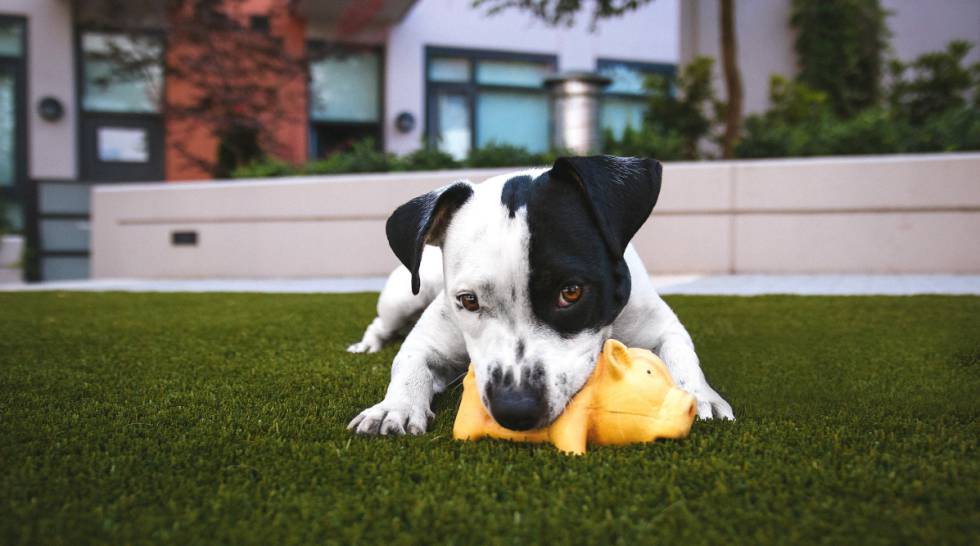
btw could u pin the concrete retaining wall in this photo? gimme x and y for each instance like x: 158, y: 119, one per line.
x: 883, y: 214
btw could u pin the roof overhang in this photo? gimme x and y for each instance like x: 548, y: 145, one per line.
x: 365, y: 14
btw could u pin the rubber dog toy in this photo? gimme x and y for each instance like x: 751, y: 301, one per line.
x: 629, y: 398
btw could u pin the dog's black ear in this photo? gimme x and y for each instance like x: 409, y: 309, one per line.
x: 423, y: 221
x: 621, y: 191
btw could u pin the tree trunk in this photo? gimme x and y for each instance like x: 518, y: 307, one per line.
x: 733, y: 80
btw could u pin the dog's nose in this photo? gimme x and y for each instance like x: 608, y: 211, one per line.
x: 517, y: 408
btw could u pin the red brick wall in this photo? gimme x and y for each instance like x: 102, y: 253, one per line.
x: 193, y: 129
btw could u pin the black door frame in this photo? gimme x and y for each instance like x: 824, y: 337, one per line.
x: 88, y: 164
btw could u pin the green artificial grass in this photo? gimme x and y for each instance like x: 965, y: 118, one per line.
x: 220, y: 419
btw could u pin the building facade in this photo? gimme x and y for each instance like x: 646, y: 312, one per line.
x: 89, y: 97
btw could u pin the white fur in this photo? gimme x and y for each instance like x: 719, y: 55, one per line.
x: 485, y: 252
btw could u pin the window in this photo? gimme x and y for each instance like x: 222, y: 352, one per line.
x: 345, y: 96
x: 624, y: 101
x: 121, y: 73
x: 477, y: 98
x: 13, y: 126
x: 11, y: 38
x: 120, y: 123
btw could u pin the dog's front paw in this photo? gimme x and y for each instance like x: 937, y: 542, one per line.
x: 387, y: 418
x: 710, y: 404
x: 364, y: 347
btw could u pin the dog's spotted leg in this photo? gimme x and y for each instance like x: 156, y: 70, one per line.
x: 428, y: 358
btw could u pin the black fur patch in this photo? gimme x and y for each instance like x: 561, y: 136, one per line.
x: 581, y: 215
x: 514, y: 194
x: 423, y: 220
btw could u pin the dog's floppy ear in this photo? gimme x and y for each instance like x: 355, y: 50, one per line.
x: 620, y: 190
x: 423, y: 221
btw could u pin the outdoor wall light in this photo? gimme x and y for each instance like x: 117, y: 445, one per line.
x: 405, y: 122
x: 50, y: 109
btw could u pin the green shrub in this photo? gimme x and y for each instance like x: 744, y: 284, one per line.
x: 928, y: 113
x: 426, y: 158
x: 938, y: 82
x: 362, y: 157
x: 502, y: 155
x: 840, y: 46
x: 267, y: 168
x: 956, y: 129
x: 646, y: 142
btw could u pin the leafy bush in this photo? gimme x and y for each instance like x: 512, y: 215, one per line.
x: 501, y: 155
x: 427, y: 158
x: 931, y: 112
x: 840, y: 46
x: 646, y: 142
x: 938, y: 82
x: 364, y: 157
x: 268, y: 168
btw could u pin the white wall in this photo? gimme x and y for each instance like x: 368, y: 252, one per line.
x: 920, y: 27
x: 765, y: 38
x: 51, y: 72
x: 878, y: 214
x: 650, y: 34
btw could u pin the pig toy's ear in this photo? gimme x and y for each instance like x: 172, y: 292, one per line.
x: 617, y: 357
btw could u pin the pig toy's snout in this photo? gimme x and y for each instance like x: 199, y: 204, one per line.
x: 677, y: 413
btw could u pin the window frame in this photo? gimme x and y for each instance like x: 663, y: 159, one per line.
x: 16, y: 195
x: 471, y: 88
x: 88, y: 165
x: 322, y: 47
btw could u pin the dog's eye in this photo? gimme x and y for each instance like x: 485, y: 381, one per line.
x: 468, y: 301
x: 570, y: 293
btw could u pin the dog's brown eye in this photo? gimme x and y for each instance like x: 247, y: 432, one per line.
x: 569, y: 294
x: 468, y: 301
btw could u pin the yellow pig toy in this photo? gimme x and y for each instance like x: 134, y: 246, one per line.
x: 630, y: 398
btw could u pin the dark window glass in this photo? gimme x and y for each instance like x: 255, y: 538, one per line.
x: 345, y: 97
x: 479, y: 98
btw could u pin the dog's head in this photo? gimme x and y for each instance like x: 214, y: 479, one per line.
x: 534, y: 272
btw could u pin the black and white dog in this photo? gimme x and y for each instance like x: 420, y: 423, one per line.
x: 526, y: 275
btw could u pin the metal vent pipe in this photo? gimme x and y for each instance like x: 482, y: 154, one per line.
x: 575, y: 101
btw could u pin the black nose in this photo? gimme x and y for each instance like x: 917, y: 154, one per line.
x: 517, y: 408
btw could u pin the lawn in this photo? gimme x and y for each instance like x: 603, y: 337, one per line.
x: 219, y: 418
